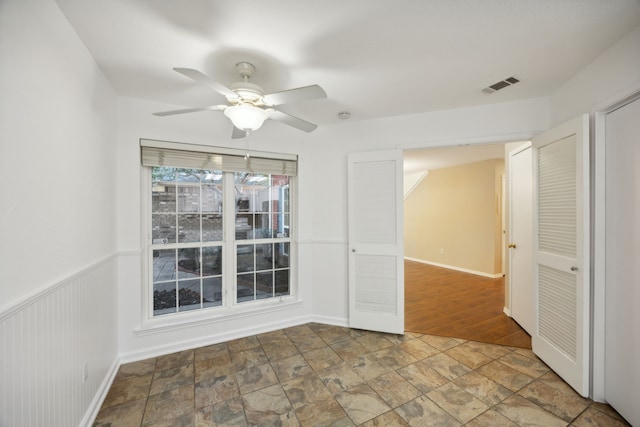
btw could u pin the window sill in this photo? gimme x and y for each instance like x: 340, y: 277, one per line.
x: 219, y: 314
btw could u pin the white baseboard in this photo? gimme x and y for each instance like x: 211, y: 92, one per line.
x: 92, y: 412
x: 507, y: 311
x: 453, y: 267
x: 147, y: 353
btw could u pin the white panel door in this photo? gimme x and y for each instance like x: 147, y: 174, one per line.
x: 376, y: 253
x: 522, y: 305
x: 561, y: 255
x: 622, y: 253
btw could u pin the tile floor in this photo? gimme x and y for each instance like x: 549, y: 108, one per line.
x: 320, y: 375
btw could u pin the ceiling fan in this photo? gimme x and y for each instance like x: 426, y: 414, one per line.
x: 249, y: 106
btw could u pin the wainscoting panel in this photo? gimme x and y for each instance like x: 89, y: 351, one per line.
x: 57, y: 348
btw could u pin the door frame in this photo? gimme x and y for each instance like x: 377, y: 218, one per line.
x: 519, y: 138
x: 598, y: 209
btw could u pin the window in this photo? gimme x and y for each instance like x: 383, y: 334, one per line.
x: 219, y: 237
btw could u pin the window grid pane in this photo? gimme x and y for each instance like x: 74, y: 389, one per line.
x: 187, y: 215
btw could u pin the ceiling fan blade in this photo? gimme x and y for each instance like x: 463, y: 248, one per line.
x: 237, y: 133
x: 190, y: 110
x: 295, y: 95
x: 296, y: 122
x: 207, y: 81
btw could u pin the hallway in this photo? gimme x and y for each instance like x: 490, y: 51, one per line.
x: 440, y: 301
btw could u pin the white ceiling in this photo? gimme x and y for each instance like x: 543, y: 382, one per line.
x: 429, y: 159
x: 374, y: 58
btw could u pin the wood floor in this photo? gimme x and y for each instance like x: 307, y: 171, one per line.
x: 439, y: 301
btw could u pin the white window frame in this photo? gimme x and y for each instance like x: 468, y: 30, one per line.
x: 230, y: 308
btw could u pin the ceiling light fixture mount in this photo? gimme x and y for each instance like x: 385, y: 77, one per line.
x: 344, y: 115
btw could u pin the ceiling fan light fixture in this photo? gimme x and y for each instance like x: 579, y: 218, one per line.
x: 246, y: 117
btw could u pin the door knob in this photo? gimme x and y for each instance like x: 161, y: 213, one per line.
x: 574, y: 268
x: 512, y: 245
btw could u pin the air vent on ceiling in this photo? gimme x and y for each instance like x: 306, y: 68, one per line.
x: 500, y: 85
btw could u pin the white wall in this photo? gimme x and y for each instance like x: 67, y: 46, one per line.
x: 613, y: 74
x: 137, y: 341
x: 57, y: 199
x: 327, y: 190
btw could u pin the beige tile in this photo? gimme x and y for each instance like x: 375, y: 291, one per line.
x: 491, y: 418
x: 126, y: 390
x: 457, y: 402
x: 446, y: 366
x: 505, y: 376
x: 229, y: 413
x: 183, y: 420
x: 394, y: 357
x: 441, y: 343
x: 493, y: 351
x: 394, y: 389
x: 388, y: 419
x: 553, y: 380
x: 522, y: 412
x: 606, y: 409
x: 322, y: 358
x: 136, y: 369
x: 531, y: 367
x: 169, y: 379
x: 398, y: 339
x: 334, y: 334
x: 423, y: 412
x: 304, y: 338
x: 468, y: 356
x: 281, y: 350
x: 339, y: 377
x: 307, y: 342
x: 306, y: 389
x: 323, y: 413
x: 549, y: 398
x: 247, y: 358
x: 215, y: 390
x: 349, y: 349
x: 419, y: 349
x: 298, y: 331
x: 174, y: 360
x: 255, y: 377
x: 485, y: 389
x: 361, y: 403
x: 128, y: 414
x: 214, y: 367
x: 291, y: 367
x: 211, y: 351
x: 594, y: 418
x: 265, y: 404
x: 422, y: 377
x: 242, y: 344
x: 367, y: 367
x: 169, y: 405
x: 271, y: 337
x: 279, y: 420
x: 374, y: 342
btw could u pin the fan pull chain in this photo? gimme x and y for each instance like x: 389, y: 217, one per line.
x: 246, y: 147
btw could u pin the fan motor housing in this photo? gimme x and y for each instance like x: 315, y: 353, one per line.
x: 247, y: 91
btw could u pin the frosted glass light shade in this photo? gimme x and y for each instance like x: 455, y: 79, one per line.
x: 246, y: 117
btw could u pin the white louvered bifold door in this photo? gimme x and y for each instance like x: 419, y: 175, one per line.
x: 376, y: 253
x: 561, y: 255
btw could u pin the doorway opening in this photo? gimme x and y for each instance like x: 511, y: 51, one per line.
x: 455, y: 247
